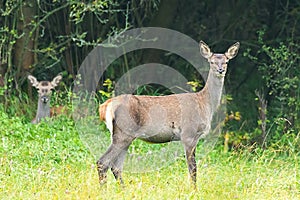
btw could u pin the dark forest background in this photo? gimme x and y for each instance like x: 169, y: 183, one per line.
x: 45, y: 38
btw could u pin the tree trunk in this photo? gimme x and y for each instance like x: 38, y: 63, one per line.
x: 24, y: 54
x: 2, y: 74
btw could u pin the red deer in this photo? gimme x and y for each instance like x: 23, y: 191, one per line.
x: 44, y: 90
x: 182, y: 117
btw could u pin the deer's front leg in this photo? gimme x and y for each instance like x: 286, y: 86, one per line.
x: 191, y: 162
x: 190, y: 143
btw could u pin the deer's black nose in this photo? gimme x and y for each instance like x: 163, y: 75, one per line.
x: 44, y: 99
x: 220, y: 70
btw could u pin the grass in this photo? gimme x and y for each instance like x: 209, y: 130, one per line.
x: 49, y: 161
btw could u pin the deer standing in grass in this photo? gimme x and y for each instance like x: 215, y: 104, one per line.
x: 44, y: 90
x: 158, y: 119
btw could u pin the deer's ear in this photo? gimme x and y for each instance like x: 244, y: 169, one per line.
x: 233, y: 50
x: 56, y: 80
x: 33, y: 81
x: 205, y: 50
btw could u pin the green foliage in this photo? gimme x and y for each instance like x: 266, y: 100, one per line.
x: 282, y: 76
x: 152, y: 90
x: 107, y: 91
x: 278, y: 67
x: 55, y: 141
x: 64, y: 32
x: 195, y: 85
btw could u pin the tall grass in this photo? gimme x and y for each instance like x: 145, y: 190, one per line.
x: 49, y: 161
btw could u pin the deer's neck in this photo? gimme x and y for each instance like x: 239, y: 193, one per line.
x: 212, y: 90
x: 43, y: 110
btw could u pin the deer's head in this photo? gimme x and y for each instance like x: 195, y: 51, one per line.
x: 44, y: 87
x: 218, y: 62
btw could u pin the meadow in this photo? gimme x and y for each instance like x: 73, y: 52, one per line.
x: 49, y: 161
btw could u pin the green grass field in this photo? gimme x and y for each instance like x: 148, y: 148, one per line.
x: 49, y: 161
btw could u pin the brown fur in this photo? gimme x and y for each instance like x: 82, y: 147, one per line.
x: 58, y: 110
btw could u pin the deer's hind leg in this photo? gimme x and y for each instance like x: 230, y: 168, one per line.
x: 114, y: 157
x: 103, y: 164
x: 117, y: 166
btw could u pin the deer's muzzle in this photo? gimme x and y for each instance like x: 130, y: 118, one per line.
x: 44, y: 99
x: 220, y: 70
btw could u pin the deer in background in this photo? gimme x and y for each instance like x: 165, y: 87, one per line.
x: 44, y: 90
x: 182, y: 117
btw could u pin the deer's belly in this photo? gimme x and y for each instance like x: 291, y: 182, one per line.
x: 161, y: 137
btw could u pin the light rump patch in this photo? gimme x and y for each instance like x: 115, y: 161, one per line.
x: 103, y: 110
x: 109, y: 117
